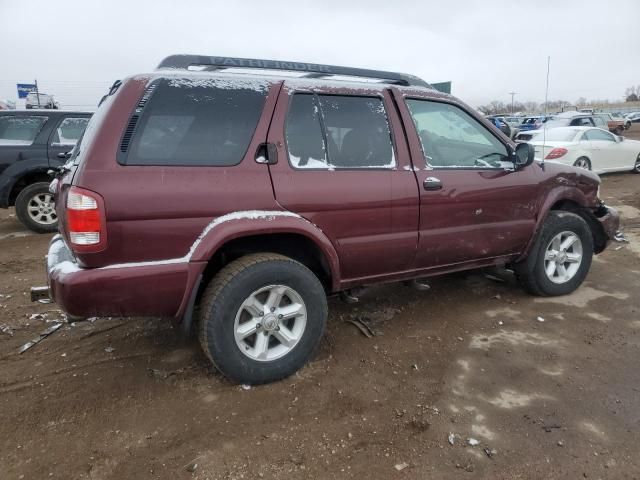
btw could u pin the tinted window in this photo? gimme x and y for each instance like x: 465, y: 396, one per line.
x: 18, y: 130
x: 69, y: 131
x: 452, y: 138
x: 304, y: 134
x: 599, y: 135
x: 333, y: 131
x: 357, y: 132
x: 197, y: 122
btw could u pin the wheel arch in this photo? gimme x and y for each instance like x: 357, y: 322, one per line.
x: 570, y: 199
x: 289, y: 235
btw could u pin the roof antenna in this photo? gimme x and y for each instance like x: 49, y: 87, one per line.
x: 546, y: 100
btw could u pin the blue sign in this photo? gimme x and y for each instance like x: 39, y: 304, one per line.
x: 25, y: 88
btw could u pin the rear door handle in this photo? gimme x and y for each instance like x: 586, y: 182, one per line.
x: 432, y: 183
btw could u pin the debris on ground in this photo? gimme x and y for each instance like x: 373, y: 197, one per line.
x: 192, y: 467
x: 548, y: 428
x: 619, y: 237
x: 473, y: 442
x: 495, y: 278
x: 362, y: 326
x: 245, y: 386
x: 6, y: 329
x: 109, y: 349
x: 560, y: 443
x: 44, y: 334
x: 452, y: 439
x: 401, y: 466
x: 490, y: 452
x: 540, y: 319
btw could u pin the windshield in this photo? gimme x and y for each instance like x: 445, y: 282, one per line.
x: 557, y: 135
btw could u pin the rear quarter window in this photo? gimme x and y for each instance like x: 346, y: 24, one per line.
x: 203, y: 122
x: 20, y: 130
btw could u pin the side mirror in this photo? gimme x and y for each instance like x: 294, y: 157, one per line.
x: 64, y: 155
x: 523, y: 155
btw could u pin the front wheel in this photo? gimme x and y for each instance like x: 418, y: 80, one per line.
x: 636, y: 167
x: 35, y: 208
x: 583, y: 162
x: 262, y: 317
x: 560, y: 257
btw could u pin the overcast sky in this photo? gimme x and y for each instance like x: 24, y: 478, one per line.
x: 486, y: 48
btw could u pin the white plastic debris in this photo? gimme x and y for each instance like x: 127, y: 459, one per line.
x: 401, y: 466
x: 452, y: 439
x: 540, y: 319
x: 473, y: 442
x: 109, y: 349
x: 245, y: 386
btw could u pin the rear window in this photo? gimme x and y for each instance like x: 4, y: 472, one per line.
x: 19, y: 130
x: 197, y: 122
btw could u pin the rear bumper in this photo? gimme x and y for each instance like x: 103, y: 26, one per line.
x: 153, y: 289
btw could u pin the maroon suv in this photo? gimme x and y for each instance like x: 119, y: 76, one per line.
x: 249, y: 198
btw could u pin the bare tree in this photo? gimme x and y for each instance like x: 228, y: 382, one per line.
x: 632, y: 94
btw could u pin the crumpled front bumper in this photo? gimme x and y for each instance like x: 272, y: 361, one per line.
x: 609, y: 220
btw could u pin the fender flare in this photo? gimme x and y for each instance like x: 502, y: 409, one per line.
x: 557, y: 194
x: 250, y: 223
x: 14, y: 172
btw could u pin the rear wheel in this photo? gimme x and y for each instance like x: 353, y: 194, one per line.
x: 583, y: 162
x: 619, y: 129
x: 560, y: 257
x: 262, y: 317
x: 35, y: 208
x: 636, y: 167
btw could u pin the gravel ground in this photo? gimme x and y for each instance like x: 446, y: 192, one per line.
x: 549, y: 388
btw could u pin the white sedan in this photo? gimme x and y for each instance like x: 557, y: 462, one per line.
x: 587, y: 147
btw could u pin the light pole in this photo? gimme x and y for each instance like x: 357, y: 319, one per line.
x: 513, y: 94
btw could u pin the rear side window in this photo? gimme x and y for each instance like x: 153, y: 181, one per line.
x: 338, y: 131
x: 69, y: 131
x: 19, y: 130
x: 196, y: 123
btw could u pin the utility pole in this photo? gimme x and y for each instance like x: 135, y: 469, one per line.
x: 37, y: 92
x: 513, y: 94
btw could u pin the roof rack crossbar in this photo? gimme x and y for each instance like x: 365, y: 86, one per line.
x: 314, y: 70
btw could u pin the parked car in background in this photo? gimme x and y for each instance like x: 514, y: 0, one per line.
x: 634, y: 117
x: 614, y: 124
x: 250, y: 198
x: 622, y: 117
x: 31, y: 143
x: 589, y: 148
x: 532, y: 123
x: 566, y: 119
x: 505, y: 126
x: 41, y: 100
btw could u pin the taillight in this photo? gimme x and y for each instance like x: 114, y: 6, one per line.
x: 556, y: 153
x: 84, y: 218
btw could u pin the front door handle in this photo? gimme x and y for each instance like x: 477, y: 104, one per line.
x: 432, y: 183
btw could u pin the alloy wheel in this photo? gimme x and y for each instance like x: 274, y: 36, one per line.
x: 270, y: 323
x: 41, y: 209
x: 563, y: 257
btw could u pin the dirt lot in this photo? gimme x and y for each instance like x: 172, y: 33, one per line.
x: 471, y: 358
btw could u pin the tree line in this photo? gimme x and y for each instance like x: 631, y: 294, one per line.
x: 631, y: 94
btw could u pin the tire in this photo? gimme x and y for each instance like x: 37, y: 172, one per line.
x: 636, y: 167
x: 619, y: 129
x: 532, y: 271
x: 583, y: 162
x: 35, y: 209
x: 223, y: 313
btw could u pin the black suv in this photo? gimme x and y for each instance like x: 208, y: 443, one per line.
x: 31, y: 143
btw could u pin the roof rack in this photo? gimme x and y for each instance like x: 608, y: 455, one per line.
x: 313, y: 70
